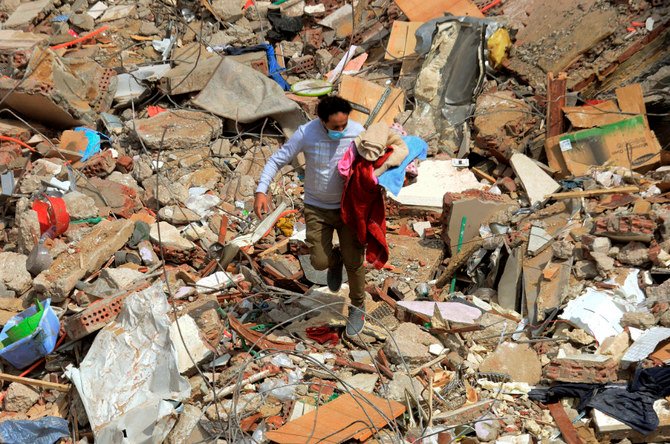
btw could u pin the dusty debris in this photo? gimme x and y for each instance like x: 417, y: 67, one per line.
x: 20, y: 398
x: 527, y: 227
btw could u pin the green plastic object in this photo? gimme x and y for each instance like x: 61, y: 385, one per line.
x: 460, y: 245
x: 25, y: 328
x: 90, y: 220
x: 312, y: 88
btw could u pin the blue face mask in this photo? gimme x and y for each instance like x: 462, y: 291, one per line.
x: 335, y: 135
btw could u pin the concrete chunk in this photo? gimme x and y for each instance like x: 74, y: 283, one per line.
x: 409, y: 344
x: 27, y: 13
x: 80, y: 206
x: 535, y: 181
x: 539, y: 239
x: 192, y: 344
x: 20, y: 397
x: 170, y: 237
x: 228, y: 10
x: 478, y: 207
x: 178, y: 130
x: 92, y: 251
x: 13, y: 272
x: 517, y: 360
x: 177, y: 215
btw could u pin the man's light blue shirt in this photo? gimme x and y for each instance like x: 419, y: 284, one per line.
x: 323, y: 183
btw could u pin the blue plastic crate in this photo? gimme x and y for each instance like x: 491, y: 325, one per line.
x: 42, y: 342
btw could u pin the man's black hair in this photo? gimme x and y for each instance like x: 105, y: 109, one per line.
x: 330, y: 105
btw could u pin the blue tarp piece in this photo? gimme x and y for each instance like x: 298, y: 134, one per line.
x: 94, y: 142
x: 46, y: 430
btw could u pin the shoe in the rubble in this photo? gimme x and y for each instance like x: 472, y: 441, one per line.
x: 334, y: 276
x: 355, y: 322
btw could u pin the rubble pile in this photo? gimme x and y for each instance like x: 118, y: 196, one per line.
x: 526, y: 294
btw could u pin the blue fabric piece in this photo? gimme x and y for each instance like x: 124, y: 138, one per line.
x: 46, y: 430
x: 274, y: 69
x: 94, y: 142
x: 393, y: 178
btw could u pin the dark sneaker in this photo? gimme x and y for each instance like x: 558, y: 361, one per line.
x: 355, y: 322
x: 334, y: 276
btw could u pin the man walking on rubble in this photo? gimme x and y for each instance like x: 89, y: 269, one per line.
x: 324, y: 141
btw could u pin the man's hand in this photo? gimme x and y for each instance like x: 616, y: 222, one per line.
x: 261, y: 206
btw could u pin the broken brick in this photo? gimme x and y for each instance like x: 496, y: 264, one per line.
x: 583, y: 368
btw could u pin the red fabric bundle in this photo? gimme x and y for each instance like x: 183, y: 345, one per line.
x: 322, y: 335
x: 364, y: 209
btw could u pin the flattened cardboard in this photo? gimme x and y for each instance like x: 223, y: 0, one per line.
x: 627, y: 143
x: 616, y: 136
x: 367, y: 94
x: 424, y: 10
x: 353, y: 415
x: 596, y: 115
x: 402, y: 40
x: 631, y: 100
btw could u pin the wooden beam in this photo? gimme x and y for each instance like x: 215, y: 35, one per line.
x: 556, y: 92
x: 274, y: 248
x: 564, y: 425
x: 590, y: 193
x: 482, y: 175
x: 36, y: 382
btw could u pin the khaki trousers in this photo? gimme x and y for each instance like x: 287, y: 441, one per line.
x: 320, y: 226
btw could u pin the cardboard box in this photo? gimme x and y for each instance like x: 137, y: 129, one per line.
x: 628, y: 143
x: 614, y: 135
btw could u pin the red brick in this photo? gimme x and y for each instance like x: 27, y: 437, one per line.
x: 313, y: 37
x: 274, y: 422
x: 124, y: 164
x: 581, y: 370
x: 308, y: 104
x: 508, y: 184
x: 654, y: 251
x: 324, y: 388
x: 616, y: 225
x: 100, y: 165
x: 368, y: 35
x: 9, y: 152
x: 302, y: 64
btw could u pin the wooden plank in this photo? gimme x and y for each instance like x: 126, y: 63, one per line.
x: 589, y: 193
x: 274, y: 248
x: 255, y: 339
x: 402, y: 40
x: 367, y: 94
x: 556, y: 91
x: 424, y: 10
x: 482, y: 175
x: 458, y: 261
x: 355, y: 415
x: 564, y: 425
x: 35, y: 382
